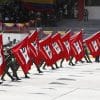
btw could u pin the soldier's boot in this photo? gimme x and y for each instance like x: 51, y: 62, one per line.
x: 1, y: 82
x: 3, y: 79
x: 26, y: 76
x: 38, y: 69
x: 73, y: 64
x: 61, y: 63
x: 81, y: 61
x: 44, y: 66
x: 12, y: 78
x: 16, y: 76
x: 56, y: 65
x: 52, y: 68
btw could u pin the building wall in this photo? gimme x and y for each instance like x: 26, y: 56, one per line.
x: 94, y: 12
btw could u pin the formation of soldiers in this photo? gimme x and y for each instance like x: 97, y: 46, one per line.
x: 12, y: 64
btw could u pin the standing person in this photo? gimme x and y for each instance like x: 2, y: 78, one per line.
x: 85, y: 15
x: 8, y: 63
x: 87, y: 58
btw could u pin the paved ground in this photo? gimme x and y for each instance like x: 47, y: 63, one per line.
x: 80, y: 82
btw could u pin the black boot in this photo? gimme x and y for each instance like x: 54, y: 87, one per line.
x: 17, y: 78
x: 1, y: 82
x: 56, y: 65
x: 3, y: 79
x: 26, y: 76
x: 52, y: 68
x: 40, y: 71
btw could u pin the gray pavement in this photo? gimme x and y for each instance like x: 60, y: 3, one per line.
x: 80, y: 82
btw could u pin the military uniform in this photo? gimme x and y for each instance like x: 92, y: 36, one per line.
x: 87, y: 58
x: 10, y: 63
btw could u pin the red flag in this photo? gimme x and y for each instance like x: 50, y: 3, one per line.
x: 33, y: 44
x: 93, y: 43
x: 66, y: 45
x: 2, y: 61
x: 46, y: 50
x: 57, y: 46
x: 77, y: 46
x: 20, y: 52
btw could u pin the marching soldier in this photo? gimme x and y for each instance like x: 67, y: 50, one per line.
x: 10, y: 63
x: 87, y: 58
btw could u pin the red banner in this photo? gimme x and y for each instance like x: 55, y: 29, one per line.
x: 66, y: 45
x: 46, y: 50
x: 77, y: 46
x: 33, y: 44
x: 57, y: 47
x: 20, y: 52
x: 93, y: 43
x: 2, y: 61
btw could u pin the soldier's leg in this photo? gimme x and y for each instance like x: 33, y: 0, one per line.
x: 44, y: 66
x: 56, y: 65
x: 14, y: 70
x: 5, y: 72
x: 81, y: 61
x: 61, y: 62
x: 52, y: 67
x: 38, y: 68
x: 1, y: 82
x: 88, y: 58
x: 26, y: 76
x: 70, y: 61
x: 16, y: 67
x: 10, y: 76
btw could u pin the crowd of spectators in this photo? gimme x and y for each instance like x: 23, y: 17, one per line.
x: 15, y: 12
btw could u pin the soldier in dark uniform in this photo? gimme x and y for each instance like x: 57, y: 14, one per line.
x: 85, y: 15
x: 87, y: 58
x: 10, y: 63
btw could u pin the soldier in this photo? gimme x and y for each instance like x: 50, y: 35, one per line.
x: 87, y: 58
x: 10, y: 62
x: 85, y: 15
